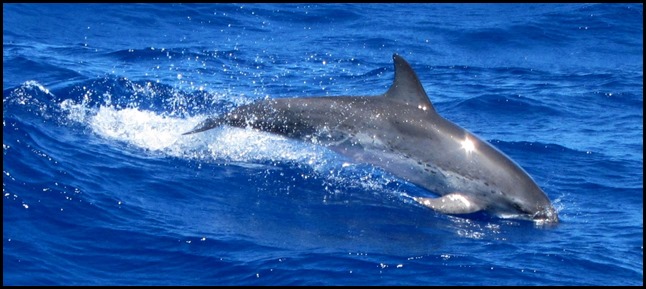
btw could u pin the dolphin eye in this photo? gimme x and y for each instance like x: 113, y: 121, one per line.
x: 517, y: 206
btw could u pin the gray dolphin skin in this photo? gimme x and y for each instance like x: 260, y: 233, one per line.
x: 401, y: 133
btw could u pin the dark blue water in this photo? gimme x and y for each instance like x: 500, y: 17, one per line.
x: 100, y: 187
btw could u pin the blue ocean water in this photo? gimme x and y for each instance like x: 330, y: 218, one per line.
x: 101, y: 188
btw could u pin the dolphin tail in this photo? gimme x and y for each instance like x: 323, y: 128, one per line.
x: 207, y: 124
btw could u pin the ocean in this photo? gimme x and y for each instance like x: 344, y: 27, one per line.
x: 101, y: 188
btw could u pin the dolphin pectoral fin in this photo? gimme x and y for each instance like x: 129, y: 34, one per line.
x: 454, y: 203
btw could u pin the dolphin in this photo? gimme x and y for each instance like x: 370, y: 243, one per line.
x: 401, y: 132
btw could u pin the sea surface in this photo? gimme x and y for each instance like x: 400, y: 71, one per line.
x: 100, y: 187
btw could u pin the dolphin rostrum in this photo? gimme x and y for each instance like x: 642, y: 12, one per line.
x: 400, y: 132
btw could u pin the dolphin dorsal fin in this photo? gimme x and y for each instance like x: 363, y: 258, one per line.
x: 406, y: 87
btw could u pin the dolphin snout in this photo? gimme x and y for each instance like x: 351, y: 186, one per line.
x: 547, y: 215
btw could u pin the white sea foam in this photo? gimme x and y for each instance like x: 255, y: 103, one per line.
x: 159, y: 133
